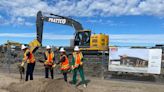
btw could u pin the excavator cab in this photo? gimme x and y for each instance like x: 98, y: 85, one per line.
x: 82, y: 38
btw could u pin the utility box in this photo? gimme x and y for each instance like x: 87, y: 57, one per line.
x: 100, y: 41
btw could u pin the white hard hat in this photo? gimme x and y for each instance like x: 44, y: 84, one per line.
x: 23, y: 47
x: 48, y: 47
x: 62, y: 50
x: 76, y: 48
x: 57, y: 48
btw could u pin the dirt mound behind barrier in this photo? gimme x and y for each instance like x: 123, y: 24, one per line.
x: 43, y: 85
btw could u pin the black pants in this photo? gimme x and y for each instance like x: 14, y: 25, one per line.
x: 65, y: 77
x: 47, y: 69
x: 29, y: 71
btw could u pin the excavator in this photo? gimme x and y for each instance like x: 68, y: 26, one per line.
x: 82, y: 38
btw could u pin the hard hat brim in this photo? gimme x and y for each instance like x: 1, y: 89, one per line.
x: 48, y: 48
x: 62, y: 51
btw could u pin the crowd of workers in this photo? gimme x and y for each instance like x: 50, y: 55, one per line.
x: 49, y: 63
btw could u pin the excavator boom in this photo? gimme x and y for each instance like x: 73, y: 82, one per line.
x: 82, y: 38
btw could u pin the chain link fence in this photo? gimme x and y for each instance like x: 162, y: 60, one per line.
x: 94, y: 65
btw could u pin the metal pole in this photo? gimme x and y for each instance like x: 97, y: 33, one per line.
x: 102, y: 65
x: 9, y: 60
x: 8, y: 57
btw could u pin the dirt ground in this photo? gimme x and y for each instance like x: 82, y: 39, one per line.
x: 11, y: 83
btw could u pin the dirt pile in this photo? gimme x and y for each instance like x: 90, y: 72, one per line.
x: 43, y: 85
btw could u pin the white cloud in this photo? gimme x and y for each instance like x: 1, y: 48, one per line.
x: 23, y: 35
x: 15, y: 21
x: 33, y: 35
x: 29, y: 8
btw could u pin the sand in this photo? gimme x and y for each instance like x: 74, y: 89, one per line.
x: 43, y: 85
x: 10, y: 83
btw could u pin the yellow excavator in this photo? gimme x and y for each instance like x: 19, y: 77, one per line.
x: 12, y: 43
x: 82, y: 38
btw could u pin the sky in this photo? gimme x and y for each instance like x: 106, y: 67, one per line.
x: 127, y: 22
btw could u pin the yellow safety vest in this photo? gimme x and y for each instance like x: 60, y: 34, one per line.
x: 50, y: 57
x: 77, y: 57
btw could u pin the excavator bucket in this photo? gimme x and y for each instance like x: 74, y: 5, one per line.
x: 34, y: 43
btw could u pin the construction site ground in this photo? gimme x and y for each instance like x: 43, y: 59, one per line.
x: 12, y: 83
x: 94, y: 67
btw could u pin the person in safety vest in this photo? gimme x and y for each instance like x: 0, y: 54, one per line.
x: 64, y: 63
x: 49, y: 62
x: 77, y: 65
x: 30, y: 60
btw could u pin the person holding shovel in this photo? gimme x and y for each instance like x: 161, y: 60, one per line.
x: 77, y: 65
x: 64, y: 63
x: 30, y: 60
x: 49, y: 62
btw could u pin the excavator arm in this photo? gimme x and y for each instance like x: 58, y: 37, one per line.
x: 82, y: 38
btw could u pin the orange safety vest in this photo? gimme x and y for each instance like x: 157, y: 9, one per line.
x: 31, y: 58
x: 77, y: 57
x: 65, y: 64
x: 50, y: 57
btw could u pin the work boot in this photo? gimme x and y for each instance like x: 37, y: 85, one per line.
x: 85, y: 86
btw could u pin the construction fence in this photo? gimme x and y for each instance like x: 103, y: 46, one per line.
x: 94, y: 65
